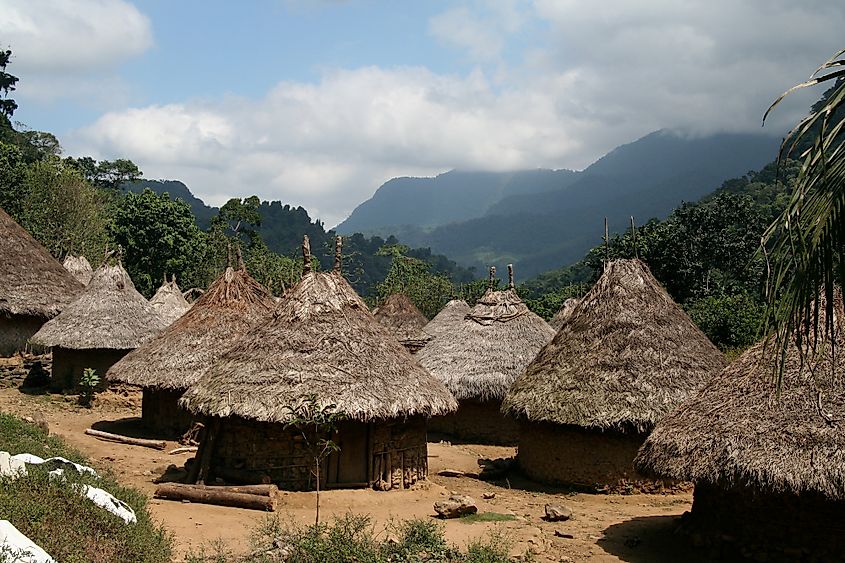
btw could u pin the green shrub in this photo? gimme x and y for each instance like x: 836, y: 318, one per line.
x: 88, y: 386
x: 731, y: 322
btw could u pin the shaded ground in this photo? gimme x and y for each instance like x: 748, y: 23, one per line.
x: 635, y: 528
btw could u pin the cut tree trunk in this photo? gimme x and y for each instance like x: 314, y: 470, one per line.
x: 208, y: 495
x: 263, y: 490
x: 109, y: 437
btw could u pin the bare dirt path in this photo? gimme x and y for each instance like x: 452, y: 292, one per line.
x: 635, y: 528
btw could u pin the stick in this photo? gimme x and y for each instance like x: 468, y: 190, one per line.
x: 109, y: 437
x: 173, y: 491
x: 183, y: 450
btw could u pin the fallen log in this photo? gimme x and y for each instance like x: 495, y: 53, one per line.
x: 109, y: 437
x: 262, y: 490
x: 207, y: 495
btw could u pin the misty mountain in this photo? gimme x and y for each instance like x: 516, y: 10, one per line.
x: 539, y: 228
x: 177, y: 190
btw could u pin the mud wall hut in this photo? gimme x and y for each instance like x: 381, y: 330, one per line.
x: 624, y: 358
x: 169, y: 302
x: 177, y: 357
x: 34, y: 287
x: 100, y: 327
x: 321, y: 349
x: 478, y: 358
x: 768, y: 464
x: 401, y: 317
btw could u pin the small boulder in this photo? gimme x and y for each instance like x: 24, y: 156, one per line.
x: 488, y: 496
x: 557, y: 513
x: 455, y: 506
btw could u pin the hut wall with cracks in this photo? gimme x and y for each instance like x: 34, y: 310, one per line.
x: 160, y: 411
x: 15, y: 331
x: 477, y: 421
x: 385, y: 454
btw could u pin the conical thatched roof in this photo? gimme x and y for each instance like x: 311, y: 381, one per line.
x: 110, y: 314
x: 737, y: 430
x: 79, y: 268
x: 480, y: 356
x: 401, y: 317
x: 177, y: 357
x: 447, y: 321
x: 624, y: 359
x: 168, y: 301
x: 322, y: 340
x: 563, y: 314
x: 32, y: 282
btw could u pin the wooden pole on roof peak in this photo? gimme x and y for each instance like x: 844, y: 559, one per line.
x: 510, y: 276
x: 338, y: 253
x: 306, y: 255
x: 241, y: 265
x: 492, y: 275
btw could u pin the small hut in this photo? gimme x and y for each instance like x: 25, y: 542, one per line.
x: 447, y: 321
x: 175, y: 359
x: 479, y: 357
x: 625, y: 357
x: 768, y: 463
x: 79, y: 268
x: 169, y: 302
x: 400, y: 316
x: 109, y: 319
x: 33, y: 286
x: 321, y: 345
x: 564, y: 313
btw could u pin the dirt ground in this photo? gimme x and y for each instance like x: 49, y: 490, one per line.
x: 636, y: 528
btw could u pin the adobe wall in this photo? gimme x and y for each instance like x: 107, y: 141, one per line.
x: 160, y: 411
x: 394, y: 454
x: 21, y: 370
x: 588, y: 460
x: 68, y: 366
x: 476, y: 422
x: 15, y: 331
x: 737, y: 520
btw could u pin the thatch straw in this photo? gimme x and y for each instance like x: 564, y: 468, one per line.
x: 400, y: 316
x: 79, y: 268
x: 169, y: 302
x: 564, y: 313
x: 32, y: 282
x: 738, y: 431
x: 448, y: 320
x: 177, y: 357
x: 624, y: 359
x: 321, y: 341
x: 481, y: 355
x: 110, y: 314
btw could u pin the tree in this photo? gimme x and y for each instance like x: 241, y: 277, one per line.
x: 7, y: 85
x: 808, y: 238
x: 159, y: 236
x: 413, y: 277
x: 106, y: 174
x: 12, y: 175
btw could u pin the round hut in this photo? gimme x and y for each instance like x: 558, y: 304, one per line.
x: 100, y: 327
x: 169, y: 302
x: 765, y: 461
x: 176, y: 358
x: 447, y: 321
x: 79, y: 268
x: 625, y: 357
x: 33, y: 286
x: 400, y: 316
x: 563, y: 314
x: 321, y: 349
x: 479, y: 357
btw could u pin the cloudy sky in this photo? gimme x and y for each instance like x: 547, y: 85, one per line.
x: 316, y: 103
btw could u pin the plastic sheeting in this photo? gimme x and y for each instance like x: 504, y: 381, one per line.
x: 16, y: 547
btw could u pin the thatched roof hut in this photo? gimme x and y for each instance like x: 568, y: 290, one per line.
x: 176, y: 358
x: 625, y: 357
x: 479, y: 357
x: 33, y: 286
x: 109, y: 319
x: 743, y: 441
x: 169, y: 302
x: 563, y: 313
x: 79, y: 268
x: 447, y: 321
x: 401, y: 317
x: 321, y: 342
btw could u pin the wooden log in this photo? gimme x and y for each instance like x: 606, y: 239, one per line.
x: 183, y: 450
x: 109, y: 437
x: 262, y: 490
x: 207, y: 495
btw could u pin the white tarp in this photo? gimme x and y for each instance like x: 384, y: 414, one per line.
x: 35, y: 460
x: 109, y: 502
x: 16, y: 547
x: 11, y: 467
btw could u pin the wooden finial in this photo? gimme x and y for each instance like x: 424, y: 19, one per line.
x: 165, y: 279
x: 241, y: 265
x: 510, y: 276
x: 173, y: 278
x: 492, y: 275
x: 338, y: 248
x: 306, y: 255
x: 606, y: 244
x: 634, y: 237
x: 228, y: 254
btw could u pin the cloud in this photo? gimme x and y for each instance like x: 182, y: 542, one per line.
x: 62, y: 48
x: 591, y: 77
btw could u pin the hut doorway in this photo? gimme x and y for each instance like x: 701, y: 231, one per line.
x: 350, y: 466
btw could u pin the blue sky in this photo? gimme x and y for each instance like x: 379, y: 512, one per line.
x: 316, y: 103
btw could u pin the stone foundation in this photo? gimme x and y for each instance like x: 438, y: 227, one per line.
x: 382, y: 454
x: 477, y: 422
x: 15, y: 331
x: 22, y: 370
x: 68, y: 366
x: 587, y: 460
x: 160, y: 412
x: 766, y: 526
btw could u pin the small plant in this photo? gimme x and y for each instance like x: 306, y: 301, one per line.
x: 88, y: 386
